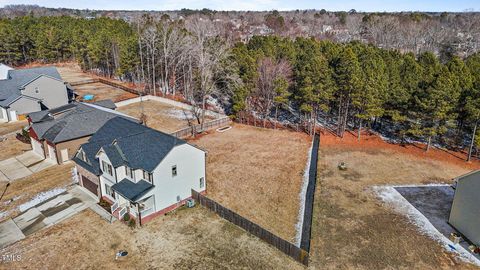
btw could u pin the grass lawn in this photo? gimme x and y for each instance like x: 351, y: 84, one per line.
x: 258, y: 173
x: 7, y: 128
x: 188, y: 239
x: 160, y: 116
x: 353, y: 228
x: 12, y: 147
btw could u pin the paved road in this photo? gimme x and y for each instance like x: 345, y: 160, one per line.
x: 46, y: 214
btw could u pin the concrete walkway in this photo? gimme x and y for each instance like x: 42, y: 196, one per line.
x: 45, y: 214
x: 22, y: 166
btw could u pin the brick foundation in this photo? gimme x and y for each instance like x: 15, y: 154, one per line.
x: 172, y: 207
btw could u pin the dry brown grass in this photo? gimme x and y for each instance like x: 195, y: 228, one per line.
x: 7, y: 128
x: 73, y: 73
x: 12, y: 147
x: 158, y: 116
x: 258, y: 173
x: 353, y: 229
x: 24, y: 189
x: 102, y: 91
x: 189, y: 239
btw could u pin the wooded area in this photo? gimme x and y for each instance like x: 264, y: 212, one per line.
x: 351, y: 86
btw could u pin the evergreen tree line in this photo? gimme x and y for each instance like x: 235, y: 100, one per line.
x: 358, y: 86
x: 350, y: 86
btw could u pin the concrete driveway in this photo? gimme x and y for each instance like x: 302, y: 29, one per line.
x: 45, y: 214
x: 23, y: 165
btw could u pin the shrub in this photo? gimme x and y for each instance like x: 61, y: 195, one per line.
x: 132, y: 223
x: 126, y: 217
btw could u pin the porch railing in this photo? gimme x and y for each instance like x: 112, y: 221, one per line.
x: 113, y: 207
x: 122, y: 212
x: 146, y: 212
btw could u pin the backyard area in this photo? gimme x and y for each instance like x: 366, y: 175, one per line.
x: 258, y: 173
x: 187, y: 239
x: 73, y: 73
x: 353, y: 228
x: 11, y: 147
x: 159, y: 115
x: 12, y: 127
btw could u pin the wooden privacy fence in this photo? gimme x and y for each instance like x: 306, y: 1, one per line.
x: 284, y: 246
x: 193, y: 130
x: 107, y: 82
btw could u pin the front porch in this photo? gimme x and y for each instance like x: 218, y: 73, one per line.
x: 132, y: 199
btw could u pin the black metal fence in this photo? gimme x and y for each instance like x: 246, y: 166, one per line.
x: 284, y: 246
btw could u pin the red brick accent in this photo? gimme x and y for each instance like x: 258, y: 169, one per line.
x: 107, y: 199
x: 172, y: 207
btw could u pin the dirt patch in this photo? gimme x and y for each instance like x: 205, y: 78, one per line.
x: 258, y: 173
x: 353, y: 229
x: 160, y: 116
x: 189, y: 239
x: 23, y: 190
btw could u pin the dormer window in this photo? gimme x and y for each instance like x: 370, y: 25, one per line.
x: 130, y: 172
x: 107, y: 168
x: 148, y: 176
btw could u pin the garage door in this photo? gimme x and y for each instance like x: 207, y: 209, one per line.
x: 51, y: 153
x: 91, y: 186
x: 37, y: 147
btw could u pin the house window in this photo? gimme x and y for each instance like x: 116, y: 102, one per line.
x: 107, y: 168
x: 202, y: 182
x: 178, y: 199
x: 148, y: 176
x: 36, y: 90
x: 130, y: 172
x: 174, y: 170
x: 108, y: 190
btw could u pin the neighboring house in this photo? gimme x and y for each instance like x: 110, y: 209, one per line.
x: 139, y: 170
x: 24, y: 91
x: 58, y: 133
x: 465, y: 212
x: 4, y: 71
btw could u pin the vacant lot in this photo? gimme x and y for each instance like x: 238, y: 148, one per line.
x: 13, y: 127
x: 258, y: 173
x: 23, y: 190
x: 12, y: 147
x: 353, y: 228
x: 188, y: 239
x: 160, y: 116
x: 73, y: 73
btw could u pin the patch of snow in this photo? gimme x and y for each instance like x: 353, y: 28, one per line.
x: 392, y: 197
x: 40, y: 197
x: 302, y: 195
x: 179, y: 114
x: 4, y: 214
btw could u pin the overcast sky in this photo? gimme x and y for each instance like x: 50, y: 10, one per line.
x: 366, y: 5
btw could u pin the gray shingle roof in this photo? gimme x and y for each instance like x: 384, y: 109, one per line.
x: 75, y: 121
x: 10, y: 88
x: 132, y: 191
x: 131, y: 144
x: 106, y: 103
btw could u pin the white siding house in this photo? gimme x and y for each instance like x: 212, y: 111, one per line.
x: 143, y: 172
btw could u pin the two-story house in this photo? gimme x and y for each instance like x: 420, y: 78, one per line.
x: 24, y: 91
x: 141, y: 171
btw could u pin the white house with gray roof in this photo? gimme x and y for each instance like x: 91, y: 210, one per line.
x: 24, y: 91
x: 140, y: 171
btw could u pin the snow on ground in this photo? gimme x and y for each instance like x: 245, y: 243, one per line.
x: 303, y: 193
x: 179, y: 114
x: 390, y: 196
x: 40, y: 197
